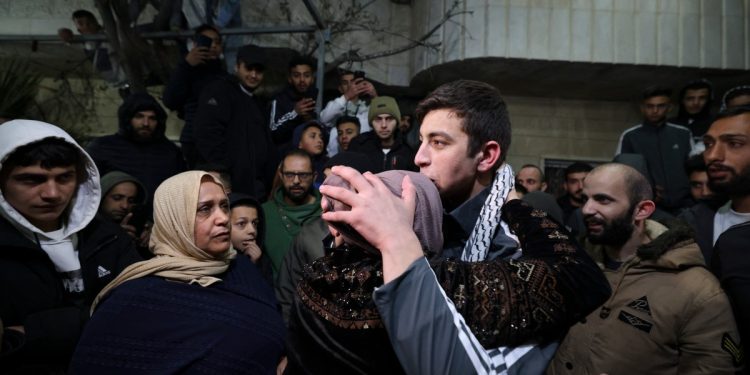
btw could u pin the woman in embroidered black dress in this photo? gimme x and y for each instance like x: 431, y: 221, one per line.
x: 334, y: 326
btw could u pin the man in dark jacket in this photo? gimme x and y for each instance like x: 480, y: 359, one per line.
x: 231, y: 126
x: 573, y: 185
x: 201, y: 66
x: 55, y: 255
x: 695, y: 108
x: 295, y: 104
x: 139, y: 148
x: 728, y: 158
x: 384, y: 144
x: 665, y: 146
x: 728, y: 163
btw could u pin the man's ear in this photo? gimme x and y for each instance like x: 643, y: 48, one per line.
x: 644, y: 210
x: 544, y: 187
x: 489, y: 154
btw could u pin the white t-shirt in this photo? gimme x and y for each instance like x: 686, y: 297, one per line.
x: 726, y: 217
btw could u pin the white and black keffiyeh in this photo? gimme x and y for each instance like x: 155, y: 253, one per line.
x: 478, y: 244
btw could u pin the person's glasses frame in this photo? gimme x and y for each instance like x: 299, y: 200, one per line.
x: 303, y: 176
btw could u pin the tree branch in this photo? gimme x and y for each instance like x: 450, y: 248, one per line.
x: 352, y: 55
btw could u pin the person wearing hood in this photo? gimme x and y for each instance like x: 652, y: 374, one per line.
x: 231, y: 126
x: 295, y: 104
x: 124, y: 200
x: 139, y: 148
x: 55, y: 254
x: 201, y: 65
x: 695, y: 108
x: 384, y: 144
x: 667, y: 312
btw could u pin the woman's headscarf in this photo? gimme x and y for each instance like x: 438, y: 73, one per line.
x: 428, y: 216
x: 172, y: 238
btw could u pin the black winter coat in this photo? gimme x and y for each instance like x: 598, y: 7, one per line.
x: 184, y: 88
x: 731, y: 265
x: 401, y: 156
x: 231, y: 129
x: 150, y: 162
x: 33, y: 296
x: 285, y: 119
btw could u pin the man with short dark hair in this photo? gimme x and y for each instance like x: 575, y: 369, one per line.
x: 201, y: 66
x: 347, y: 128
x: 55, y: 255
x: 352, y: 102
x: 384, y: 145
x: 295, y: 104
x: 531, y: 177
x: 292, y: 203
x: 667, y: 313
x: 139, y: 148
x: 728, y: 163
x: 573, y: 185
x: 665, y: 147
x: 477, y: 322
x: 695, y: 108
x: 231, y: 126
x: 728, y: 158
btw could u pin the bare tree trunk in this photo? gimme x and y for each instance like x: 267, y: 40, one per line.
x: 134, y: 54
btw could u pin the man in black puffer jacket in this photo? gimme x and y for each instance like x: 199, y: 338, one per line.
x: 139, y: 148
x: 55, y: 255
x: 231, y: 126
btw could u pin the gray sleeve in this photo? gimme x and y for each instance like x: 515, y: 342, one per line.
x: 427, y: 333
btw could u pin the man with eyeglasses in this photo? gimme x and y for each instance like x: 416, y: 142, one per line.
x: 292, y: 203
x: 665, y: 147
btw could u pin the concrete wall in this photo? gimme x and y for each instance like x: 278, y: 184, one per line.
x: 691, y: 33
x: 566, y: 129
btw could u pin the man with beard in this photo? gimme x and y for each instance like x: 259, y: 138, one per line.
x: 667, y: 312
x: 139, y: 148
x: 573, y: 185
x: 728, y: 158
x: 231, y: 126
x: 290, y: 205
x: 294, y: 105
x: 665, y: 147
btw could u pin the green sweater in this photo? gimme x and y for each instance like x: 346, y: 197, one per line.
x: 283, y: 222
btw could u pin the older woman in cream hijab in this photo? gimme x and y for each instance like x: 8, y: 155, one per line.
x: 195, y: 305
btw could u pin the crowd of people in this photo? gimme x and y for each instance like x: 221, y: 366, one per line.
x: 360, y: 239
